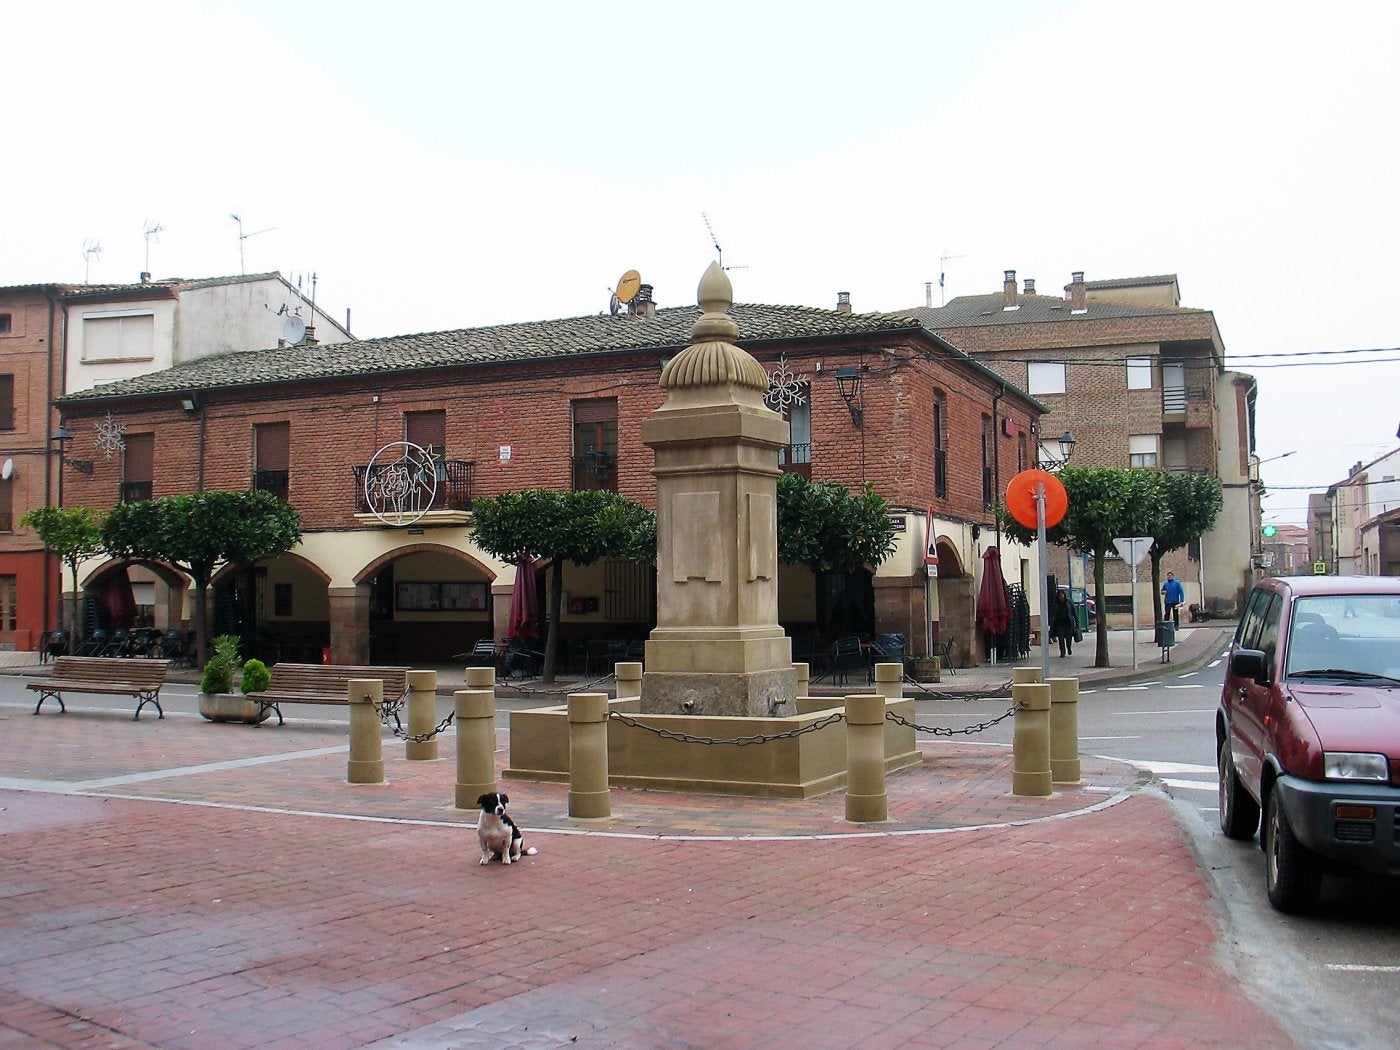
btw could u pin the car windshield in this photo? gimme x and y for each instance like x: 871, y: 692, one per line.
x: 1351, y: 636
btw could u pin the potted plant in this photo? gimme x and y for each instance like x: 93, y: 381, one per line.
x: 217, y: 700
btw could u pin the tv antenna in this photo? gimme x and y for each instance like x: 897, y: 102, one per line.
x: 242, y: 268
x: 153, y: 229
x: 92, y: 248
x: 718, y: 250
x: 943, y: 272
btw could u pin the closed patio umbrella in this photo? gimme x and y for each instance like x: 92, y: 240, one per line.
x: 524, y: 620
x: 993, y: 610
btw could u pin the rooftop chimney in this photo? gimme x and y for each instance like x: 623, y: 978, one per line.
x: 928, y: 294
x: 1008, y: 290
x: 1030, y: 286
x: 1076, y: 294
x: 843, y: 302
x: 642, y: 304
x: 145, y: 276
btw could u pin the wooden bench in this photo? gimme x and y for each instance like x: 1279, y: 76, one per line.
x: 141, y: 679
x: 324, y: 684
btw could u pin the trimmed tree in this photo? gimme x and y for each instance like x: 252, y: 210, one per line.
x: 197, y: 532
x: 1193, y: 504
x: 827, y: 528
x: 73, y: 533
x: 1104, y: 502
x: 579, y: 527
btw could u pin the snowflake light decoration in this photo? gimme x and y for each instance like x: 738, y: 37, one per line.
x: 784, y: 388
x: 109, y: 437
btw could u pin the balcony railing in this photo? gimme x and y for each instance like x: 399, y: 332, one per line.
x: 595, y: 470
x: 797, y: 459
x: 274, y: 481
x: 451, y: 482
x: 134, y: 491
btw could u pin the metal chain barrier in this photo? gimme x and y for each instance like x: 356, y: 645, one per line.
x: 572, y: 687
x: 389, y: 711
x: 945, y: 731
x: 961, y: 696
x: 737, y: 741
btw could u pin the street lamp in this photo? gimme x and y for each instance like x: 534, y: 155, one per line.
x: 1045, y: 460
x: 848, y: 385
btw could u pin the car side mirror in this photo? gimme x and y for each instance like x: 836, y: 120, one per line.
x: 1250, y: 663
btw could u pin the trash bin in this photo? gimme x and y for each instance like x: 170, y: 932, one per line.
x: 326, y: 654
x: 1166, y: 631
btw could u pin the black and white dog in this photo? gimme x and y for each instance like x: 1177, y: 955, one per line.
x: 497, y: 833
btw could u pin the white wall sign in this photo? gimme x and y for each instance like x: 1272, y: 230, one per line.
x: 505, y: 453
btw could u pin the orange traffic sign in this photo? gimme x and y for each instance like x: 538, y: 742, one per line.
x: 1021, y: 497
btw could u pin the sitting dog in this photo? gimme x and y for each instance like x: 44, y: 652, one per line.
x: 497, y: 833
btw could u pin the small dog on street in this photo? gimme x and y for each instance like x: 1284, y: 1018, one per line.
x: 497, y: 833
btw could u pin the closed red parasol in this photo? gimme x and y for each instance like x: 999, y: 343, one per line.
x: 993, y: 610
x: 524, y: 603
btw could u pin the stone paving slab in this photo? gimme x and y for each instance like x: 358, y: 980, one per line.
x: 181, y: 884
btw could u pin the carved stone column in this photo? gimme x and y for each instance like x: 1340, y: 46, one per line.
x: 717, y: 648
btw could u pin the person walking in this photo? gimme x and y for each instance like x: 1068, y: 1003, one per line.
x: 1173, y: 594
x: 1063, y: 627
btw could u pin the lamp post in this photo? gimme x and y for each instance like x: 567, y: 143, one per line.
x: 848, y: 386
x: 83, y: 466
x: 1045, y: 460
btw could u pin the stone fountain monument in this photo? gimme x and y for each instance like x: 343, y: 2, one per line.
x: 717, y: 648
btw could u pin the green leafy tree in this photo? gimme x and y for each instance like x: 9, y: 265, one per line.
x: 73, y: 533
x: 579, y: 527
x: 1193, y: 504
x: 1104, y: 502
x: 827, y: 528
x: 199, y: 531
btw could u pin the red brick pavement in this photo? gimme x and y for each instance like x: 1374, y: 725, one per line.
x: 129, y: 922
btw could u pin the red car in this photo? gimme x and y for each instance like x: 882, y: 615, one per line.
x: 1308, y: 731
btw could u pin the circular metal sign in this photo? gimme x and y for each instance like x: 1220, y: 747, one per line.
x: 1021, y: 497
x: 401, y: 483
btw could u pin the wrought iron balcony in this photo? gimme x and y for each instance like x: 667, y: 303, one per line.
x: 451, y: 483
x: 595, y: 470
x: 797, y: 459
x: 274, y: 481
x: 134, y: 491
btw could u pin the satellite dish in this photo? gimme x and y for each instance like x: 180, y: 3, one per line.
x: 293, y: 329
x: 628, y: 285
x: 8, y: 470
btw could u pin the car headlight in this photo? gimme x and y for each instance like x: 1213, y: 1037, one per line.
x: 1350, y: 765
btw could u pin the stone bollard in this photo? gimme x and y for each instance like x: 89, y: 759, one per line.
x: 481, y: 678
x: 1025, y: 675
x: 889, y: 680
x: 366, y: 765
x: 588, y: 755
x: 866, y: 801
x: 474, y: 711
x: 422, y: 716
x: 804, y: 678
x: 1064, y: 730
x: 629, y: 680
x: 1030, y: 743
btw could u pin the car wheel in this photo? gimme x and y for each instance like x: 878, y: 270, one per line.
x: 1239, y: 813
x: 1291, y: 871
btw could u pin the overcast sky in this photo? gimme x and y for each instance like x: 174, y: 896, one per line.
x: 448, y: 165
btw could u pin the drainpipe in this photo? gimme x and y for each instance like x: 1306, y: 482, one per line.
x: 48, y: 451
x: 996, y: 452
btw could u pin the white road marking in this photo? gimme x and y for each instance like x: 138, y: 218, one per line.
x: 1176, y: 711
x: 1110, y: 738
x: 1188, y: 685
x: 1176, y: 767
x: 1361, y: 968
x: 1127, y: 688
x: 1192, y: 785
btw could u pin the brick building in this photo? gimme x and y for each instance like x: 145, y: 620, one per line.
x: 1140, y: 381
x: 60, y: 337
x: 556, y: 404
